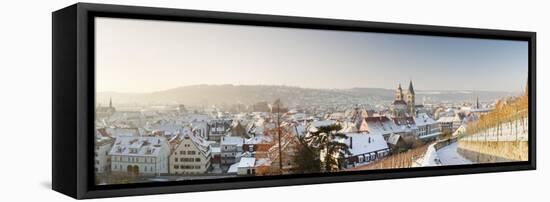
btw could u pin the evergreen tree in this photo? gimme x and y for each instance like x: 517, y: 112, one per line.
x: 325, y: 138
x: 307, y: 159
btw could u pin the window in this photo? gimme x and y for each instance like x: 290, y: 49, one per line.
x: 176, y: 159
x: 176, y: 167
x: 197, y: 159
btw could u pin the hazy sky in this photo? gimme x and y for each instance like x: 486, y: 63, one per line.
x: 147, y: 55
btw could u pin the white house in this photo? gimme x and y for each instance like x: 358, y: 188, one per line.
x: 191, y: 156
x: 140, y: 155
x: 231, y: 149
x: 427, y: 128
x: 449, y: 124
x: 364, y: 148
x: 246, y: 166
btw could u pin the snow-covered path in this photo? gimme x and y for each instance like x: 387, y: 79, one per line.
x: 449, y: 156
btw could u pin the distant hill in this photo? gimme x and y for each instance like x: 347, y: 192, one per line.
x: 248, y: 94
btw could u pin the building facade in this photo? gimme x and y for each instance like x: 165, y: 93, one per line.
x: 140, y: 155
x: 191, y: 156
x: 103, y: 144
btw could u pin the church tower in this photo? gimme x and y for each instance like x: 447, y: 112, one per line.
x: 399, y: 93
x: 111, y: 103
x: 410, y: 99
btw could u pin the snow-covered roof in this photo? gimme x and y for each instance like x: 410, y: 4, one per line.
x: 423, y: 119
x: 215, y: 150
x: 247, y: 162
x: 116, y: 132
x: 337, y: 116
x: 101, y: 138
x: 263, y: 162
x: 382, y: 124
x: 138, y: 146
x: 259, y: 139
x: 167, y: 126
x: 447, y: 119
x: 201, y: 144
x: 231, y: 140
x: 233, y: 168
x: 318, y: 124
x: 393, y: 139
x: 362, y: 143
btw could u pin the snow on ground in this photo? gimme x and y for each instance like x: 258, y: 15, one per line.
x: 445, y: 156
x: 508, y: 133
x: 430, y: 158
x: 449, y: 156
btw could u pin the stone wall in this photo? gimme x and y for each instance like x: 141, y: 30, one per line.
x: 494, y: 151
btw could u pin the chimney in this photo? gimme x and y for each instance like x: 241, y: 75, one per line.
x: 351, y: 142
x: 369, y: 140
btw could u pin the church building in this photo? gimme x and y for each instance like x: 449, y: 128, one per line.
x: 403, y: 103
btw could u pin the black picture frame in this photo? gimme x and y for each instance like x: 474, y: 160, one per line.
x: 73, y: 99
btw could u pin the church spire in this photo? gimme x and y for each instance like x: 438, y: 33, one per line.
x: 411, y: 89
x: 399, y: 93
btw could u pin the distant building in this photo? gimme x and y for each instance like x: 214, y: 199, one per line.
x: 118, y: 132
x: 218, y: 128
x: 103, y: 112
x: 231, y: 149
x: 140, y: 155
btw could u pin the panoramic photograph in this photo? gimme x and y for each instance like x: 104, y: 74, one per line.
x: 180, y: 101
